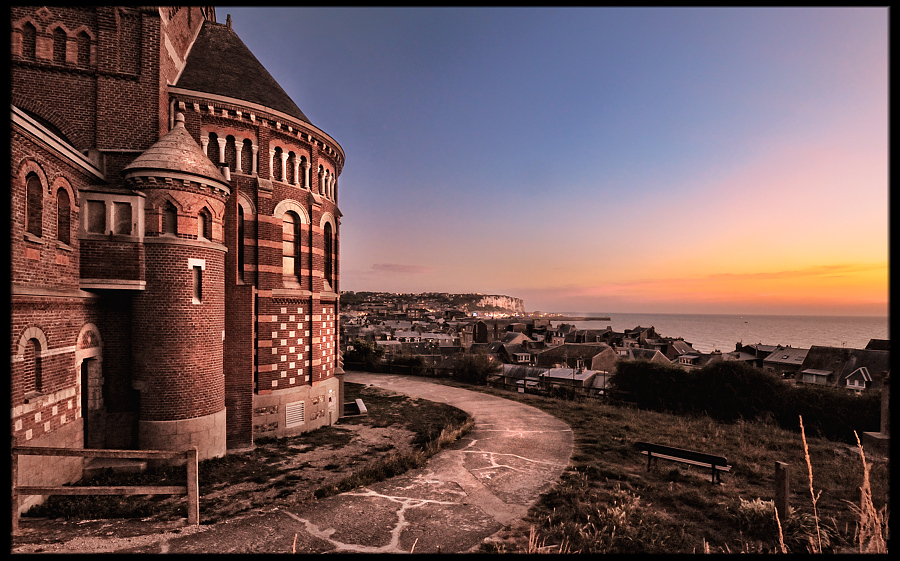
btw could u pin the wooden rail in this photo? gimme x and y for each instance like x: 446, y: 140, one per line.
x: 192, y: 489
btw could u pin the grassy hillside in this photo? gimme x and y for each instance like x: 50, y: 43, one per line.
x: 608, y: 502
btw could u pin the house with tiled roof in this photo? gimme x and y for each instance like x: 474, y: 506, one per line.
x: 670, y: 347
x: 785, y: 361
x: 649, y: 355
x: 856, y: 369
x: 878, y: 345
x: 518, y: 378
x: 514, y: 353
x: 697, y: 359
x: 593, y: 356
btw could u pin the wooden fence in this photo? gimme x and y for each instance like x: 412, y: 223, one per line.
x: 192, y: 489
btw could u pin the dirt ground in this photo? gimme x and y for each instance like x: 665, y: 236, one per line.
x: 303, y: 469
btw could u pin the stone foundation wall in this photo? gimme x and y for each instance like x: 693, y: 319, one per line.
x: 207, y: 433
x: 298, y: 410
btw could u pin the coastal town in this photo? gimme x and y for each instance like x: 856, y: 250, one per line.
x: 537, y: 351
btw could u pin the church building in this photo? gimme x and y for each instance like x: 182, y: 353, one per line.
x: 174, y: 241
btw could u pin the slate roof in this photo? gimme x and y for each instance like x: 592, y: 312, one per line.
x: 219, y: 63
x: 576, y: 350
x: 793, y: 356
x: 877, y: 363
x: 176, y: 152
x: 641, y: 354
x: 878, y: 345
x: 841, y: 362
x: 512, y: 337
x: 521, y: 372
x: 681, y: 346
x: 570, y: 377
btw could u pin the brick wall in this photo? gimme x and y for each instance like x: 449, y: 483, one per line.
x: 113, y: 103
x: 239, y: 354
x: 43, y: 261
x: 178, y: 345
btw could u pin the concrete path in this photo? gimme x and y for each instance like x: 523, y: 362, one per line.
x: 466, y: 493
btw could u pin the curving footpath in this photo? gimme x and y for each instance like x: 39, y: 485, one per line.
x: 466, y: 493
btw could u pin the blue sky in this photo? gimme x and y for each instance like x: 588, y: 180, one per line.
x: 602, y: 159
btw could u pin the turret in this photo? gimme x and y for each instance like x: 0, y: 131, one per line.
x: 178, y: 325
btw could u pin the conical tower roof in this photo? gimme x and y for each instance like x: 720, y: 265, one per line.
x: 219, y: 63
x: 175, y: 153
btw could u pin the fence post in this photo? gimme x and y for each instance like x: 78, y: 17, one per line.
x: 782, y: 490
x: 193, y: 487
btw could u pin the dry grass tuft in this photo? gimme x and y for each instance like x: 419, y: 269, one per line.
x: 815, y: 498
x: 533, y: 546
x: 872, y: 521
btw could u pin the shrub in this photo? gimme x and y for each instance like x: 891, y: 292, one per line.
x: 656, y: 386
x: 731, y: 390
x: 474, y: 368
x: 737, y: 390
x: 365, y: 353
x: 413, y: 364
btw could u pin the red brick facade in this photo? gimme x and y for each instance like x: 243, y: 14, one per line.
x: 120, y: 325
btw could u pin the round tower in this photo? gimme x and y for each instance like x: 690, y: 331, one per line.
x: 178, y: 324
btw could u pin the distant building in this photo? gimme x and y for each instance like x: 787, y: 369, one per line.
x: 856, y: 369
x: 785, y: 361
x: 592, y: 356
x: 878, y: 345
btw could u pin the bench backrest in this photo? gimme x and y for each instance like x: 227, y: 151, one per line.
x: 681, y: 453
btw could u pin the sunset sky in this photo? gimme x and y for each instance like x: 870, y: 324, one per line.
x: 604, y: 159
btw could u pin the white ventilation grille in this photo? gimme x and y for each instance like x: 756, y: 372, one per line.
x: 294, y: 414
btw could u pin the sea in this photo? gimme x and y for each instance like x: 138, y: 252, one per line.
x: 710, y: 332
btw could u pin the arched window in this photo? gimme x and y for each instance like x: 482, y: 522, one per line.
x: 329, y: 248
x: 59, y: 46
x: 277, y: 165
x: 246, y: 156
x: 212, y: 149
x: 34, y: 204
x: 289, y: 169
x: 205, y: 224
x: 240, y: 242
x: 29, y: 41
x: 33, y: 371
x: 63, y: 217
x: 170, y: 219
x: 84, y: 49
x: 304, y: 173
x: 230, y: 153
x: 290, y: 236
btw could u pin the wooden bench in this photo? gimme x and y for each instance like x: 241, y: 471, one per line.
x: 715, y: 463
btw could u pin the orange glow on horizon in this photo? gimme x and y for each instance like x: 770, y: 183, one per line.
x: 845, y: 288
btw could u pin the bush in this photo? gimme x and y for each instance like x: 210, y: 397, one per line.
x: 413, y: 364
x: 655, y: 386
x: 731, y: 390
x: 474, y: 368
x: 365, y: 353
x: 737, y: 390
